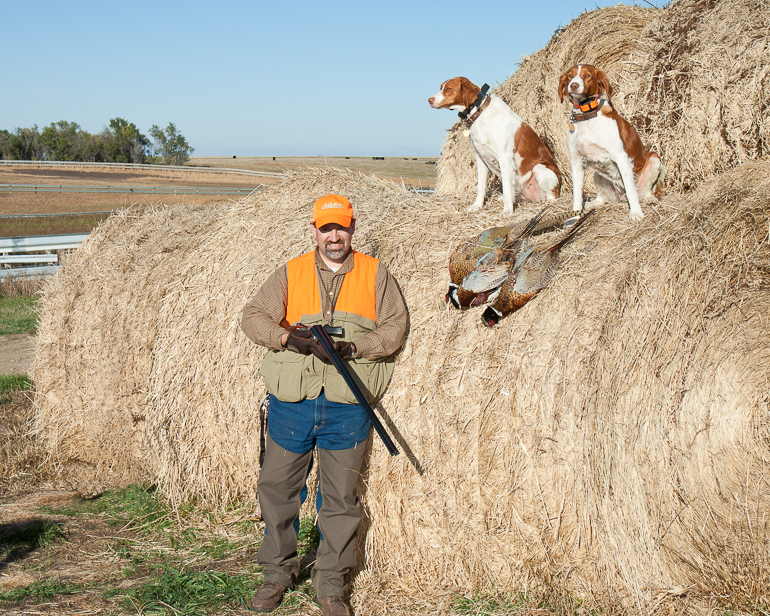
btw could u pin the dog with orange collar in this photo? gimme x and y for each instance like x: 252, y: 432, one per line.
x: 601, y: 140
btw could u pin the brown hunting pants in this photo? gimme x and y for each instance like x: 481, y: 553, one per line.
x: 280, y: 483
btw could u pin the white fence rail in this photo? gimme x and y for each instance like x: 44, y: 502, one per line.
x: 141, y: 190
x: 28, y: 272
x: 18, y: 259
x: 44, y: 248
x: 133, y: 166
x: 32, y: 243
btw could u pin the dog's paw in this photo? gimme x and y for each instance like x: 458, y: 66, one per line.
x: 650, y: 200
x: 636, y: 215
x: 508, y: 211
x: 596, y: 202
x: 475, y: 207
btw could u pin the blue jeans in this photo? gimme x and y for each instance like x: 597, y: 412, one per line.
x: 300, y: 426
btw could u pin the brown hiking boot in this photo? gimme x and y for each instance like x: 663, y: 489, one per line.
x: 268, y: 597
x: 334, y: 606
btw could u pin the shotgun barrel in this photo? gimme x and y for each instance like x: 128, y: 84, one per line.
x: 320, y: 334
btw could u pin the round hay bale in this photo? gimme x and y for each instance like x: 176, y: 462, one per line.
x: 608, y: 440
x: 611, y: 438
x: 702, y: 87
x: 608, y: 38
x: 203, y: 359
x: 94, y: 346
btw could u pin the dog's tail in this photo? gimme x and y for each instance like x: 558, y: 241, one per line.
x: 657, y: 186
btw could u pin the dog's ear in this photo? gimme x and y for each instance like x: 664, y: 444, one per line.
x: 603, y: 83
x: 469, y: 92
x: 563, y: 82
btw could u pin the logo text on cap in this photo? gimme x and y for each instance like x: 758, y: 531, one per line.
x: 332, y: 205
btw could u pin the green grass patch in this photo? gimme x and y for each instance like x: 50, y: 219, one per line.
x: 510, y: 604
x: 308, y: 537
x: 14, y: 382
x: 40, y: 591
x: 17, y: 315
x: 189, y: 592
x: 489, y: 605
x: 216, y: 548
x: 140, y: 506
x: 50, y: 225
x: 169, y: 554
x: 138, y: 555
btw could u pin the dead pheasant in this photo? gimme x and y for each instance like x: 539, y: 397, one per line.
x: 516, y: 282
x: 489, y: 248
x: 465, y: 259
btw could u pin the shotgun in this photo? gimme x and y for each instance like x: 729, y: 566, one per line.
x: 322, y: 337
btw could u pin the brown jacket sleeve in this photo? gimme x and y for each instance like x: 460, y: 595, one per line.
x: 392, y: 319
x: 264, y: 312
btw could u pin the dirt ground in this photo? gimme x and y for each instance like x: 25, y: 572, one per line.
x: 86, y: 558
x: 39, y: 203
x: 410, y: 171
x: 20, y: 511
x: 16, y: 353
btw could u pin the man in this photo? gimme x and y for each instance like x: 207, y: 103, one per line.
x: 310, y: 403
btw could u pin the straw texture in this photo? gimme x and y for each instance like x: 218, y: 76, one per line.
x: 702, y: 92
x: 94, y: 347
x: 610, y: 439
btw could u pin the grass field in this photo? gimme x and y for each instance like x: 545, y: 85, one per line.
x: 31, y: 203
x: 50, y: 225
x: 17, y: 315
x: 410, y: 171
x: 417, y: 171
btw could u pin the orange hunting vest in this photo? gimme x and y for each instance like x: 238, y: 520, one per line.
x: 356, y: 295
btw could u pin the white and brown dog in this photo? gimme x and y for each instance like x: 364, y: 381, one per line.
x: 605, y: 143
x: 503, y: 144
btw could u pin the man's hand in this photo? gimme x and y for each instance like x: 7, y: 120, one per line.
x: 346, y: 349
x: 300, y: 341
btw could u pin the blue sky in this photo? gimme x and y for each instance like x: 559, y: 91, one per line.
x: 264, y: 78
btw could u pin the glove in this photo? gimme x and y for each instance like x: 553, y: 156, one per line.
x: 346, y: 349
x: 300, y: 341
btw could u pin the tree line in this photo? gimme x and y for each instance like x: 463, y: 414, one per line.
x: 120, y: 142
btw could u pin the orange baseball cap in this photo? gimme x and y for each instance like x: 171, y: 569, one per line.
x: 332, y: 208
